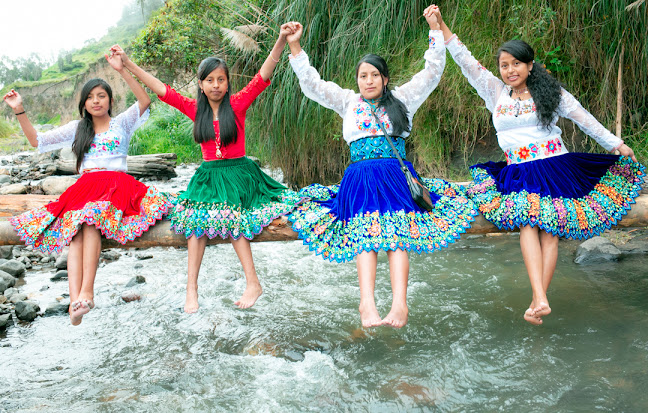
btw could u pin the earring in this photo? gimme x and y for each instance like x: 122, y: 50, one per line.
x: 385, y: 90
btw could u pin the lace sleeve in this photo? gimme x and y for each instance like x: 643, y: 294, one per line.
x: 327, y: 94
x: 57, y: 138
x: 414, y: 92
x: 570, y: 108
x: 130, y: 119
x: 488, y: 86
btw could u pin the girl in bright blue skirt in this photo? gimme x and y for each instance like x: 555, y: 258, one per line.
x: 372, y: 208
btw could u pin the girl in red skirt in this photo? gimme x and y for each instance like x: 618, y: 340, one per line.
x: 104, y: 198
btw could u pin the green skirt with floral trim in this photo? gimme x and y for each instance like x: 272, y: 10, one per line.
x: 230, y: 198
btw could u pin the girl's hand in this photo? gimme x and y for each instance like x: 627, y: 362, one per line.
x: 430, y: 14
x: 13, y: 99
x: 115, y: 60
x: 434, y: 9
x: 297, y: 31
x: 285, y: 30
x: 626, y: 151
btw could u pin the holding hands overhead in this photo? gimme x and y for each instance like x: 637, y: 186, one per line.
x: 433, y: 16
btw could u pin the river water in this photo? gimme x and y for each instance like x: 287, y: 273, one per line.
x: 300, y: 348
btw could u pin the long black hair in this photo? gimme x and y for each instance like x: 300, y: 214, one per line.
x: 544, y: 88
x: 85, y: 130
x: 203, y: 130
x: 395, y: 109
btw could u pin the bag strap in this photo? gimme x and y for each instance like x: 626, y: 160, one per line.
x: 388, y: 138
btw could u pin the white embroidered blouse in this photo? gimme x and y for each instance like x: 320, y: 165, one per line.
x: 515, y: 120
x: 108, y: 149
x: 358, y: 121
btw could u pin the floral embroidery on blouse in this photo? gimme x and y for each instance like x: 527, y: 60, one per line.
x: 365, y: 120
x: 104, y: 143
x: 515, y: 109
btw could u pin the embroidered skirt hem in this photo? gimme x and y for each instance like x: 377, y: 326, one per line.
x: 121, y: 207
x: 230, y: 198
x: 575, y: 195
x: 380, y: 213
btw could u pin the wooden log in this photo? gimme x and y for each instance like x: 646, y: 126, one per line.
x: 158, y: 165
x: 161, y: 235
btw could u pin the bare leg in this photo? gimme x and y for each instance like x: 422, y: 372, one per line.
x: 398, y: 272
x: 253, y: 288
x: 195, y: 251
x: 532, y: 254
x: 366, y: 264
x: 549, y: 245
x: 83, y: 258
x: 75, y: 276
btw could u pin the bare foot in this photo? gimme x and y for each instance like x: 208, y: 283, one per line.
x: 530, y: 317
x: 250, y: 295
x: 78, y: 309
x: 542, y: 309
x: 397, y: 317
x: 191, y: 300
x: 369, y: 315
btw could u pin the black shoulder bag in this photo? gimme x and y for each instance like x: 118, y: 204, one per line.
x: 420, y: 193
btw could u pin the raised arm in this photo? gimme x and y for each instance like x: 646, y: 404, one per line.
x: 116, y: 61
x: 273, y: 58
x: 14, y: 100
x: 327, y: 94
x: 488, y: 86
x: 148, y: 79
x: 571, y: 108
x: 414, y: 92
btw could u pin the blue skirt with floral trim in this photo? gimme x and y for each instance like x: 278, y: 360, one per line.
x: 574, y: 195
x: 372, y: 210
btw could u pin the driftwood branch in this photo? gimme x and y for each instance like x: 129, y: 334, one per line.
x: 157, y: 165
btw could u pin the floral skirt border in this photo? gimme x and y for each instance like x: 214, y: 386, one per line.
x: 48, y: 233
x: 421, y: 232
x: 576, y: 218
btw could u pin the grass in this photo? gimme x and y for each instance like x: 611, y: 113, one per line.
x: 166, y: 131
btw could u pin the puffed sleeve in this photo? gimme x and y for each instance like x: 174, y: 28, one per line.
x: 130, y: 119
x: 571, y: 108
x: 58, y: 138
x: 327, y: 94
x: 414, y: 92
x: 488, y: 86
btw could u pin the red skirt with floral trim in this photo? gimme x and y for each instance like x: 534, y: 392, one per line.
x: 120, y: 206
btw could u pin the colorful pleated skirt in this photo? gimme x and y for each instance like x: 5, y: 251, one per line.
x: 120, y: 206
x: 372, y: 209
x: 230, y: 198
x: 573, y: 195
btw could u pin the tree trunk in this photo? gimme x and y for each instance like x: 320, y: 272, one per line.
x: 154, y: 165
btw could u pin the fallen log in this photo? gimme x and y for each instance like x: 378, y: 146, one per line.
x: 161, y: 235
x: 157, y: 165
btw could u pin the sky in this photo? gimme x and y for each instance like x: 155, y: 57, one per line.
x: 47, y: 26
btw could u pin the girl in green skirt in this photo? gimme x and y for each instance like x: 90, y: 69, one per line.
x: 229, y: 196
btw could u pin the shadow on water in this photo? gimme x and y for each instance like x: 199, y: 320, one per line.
x: 466, y: 347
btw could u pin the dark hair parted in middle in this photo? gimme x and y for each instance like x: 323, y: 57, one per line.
x: 395, y: 109
x: 544, y: 88
x: 85, y: 130
x: 203, y: 130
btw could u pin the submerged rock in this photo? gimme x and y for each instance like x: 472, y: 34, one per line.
x: 27, y: 310
x: 58, y: 307
x: 597, y: 249
x: 6, y: 251
x: 129, y: 296
x: 139, y: 279
x: 17, y: 298
x: 143, y: 256
x: 59, y: 275
x: 9, y: 292
x: 110, y: 255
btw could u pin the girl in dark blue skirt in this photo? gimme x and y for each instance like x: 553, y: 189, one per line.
x: 542, y: 188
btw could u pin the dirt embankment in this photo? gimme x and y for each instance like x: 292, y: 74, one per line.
x: 45, y: 101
